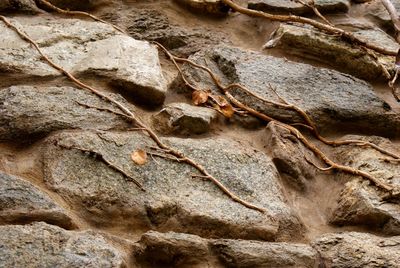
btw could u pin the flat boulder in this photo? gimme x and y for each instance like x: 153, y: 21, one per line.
x: 292, y: 7
x: 183, y: 250
x: 29, y: 111
x: 44, y: 245
x: 173, y: 200
x: 351, y: 249
x: 21, y: 203
x: 332, y: 99
x: 84, y: 48
x: 315, y: 45
x: 21, y: 6
x: 361, y: 203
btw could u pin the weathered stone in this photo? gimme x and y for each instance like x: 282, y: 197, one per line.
x: 24, y: 6
x: 212, y: 7
x: 360, y: 203
x: 312, y: 44
x: 153, y: 25
x: 172, y: 250
x: 288, y: 155
x: 184, y: 250
x: 184, y: 119
x: 173, y: 199
x: 287, y: 6
x: 21, y: 202
x: 345, y: 250
x: 331, y: 99
x: 84, y: 48
x: 27, y: 111
x: 241, y: 253
x: 84, y: 5
x: 379, y: 14
x: 43, y: 245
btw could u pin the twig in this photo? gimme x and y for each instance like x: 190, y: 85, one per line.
x: 135, y: 120
x: 311, y: 4
x: 317, y: 167
x: 394, y: 16
x: 108, y: 163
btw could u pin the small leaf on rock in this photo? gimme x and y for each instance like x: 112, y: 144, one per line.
x: 139, y: 157
x: 200, y: 97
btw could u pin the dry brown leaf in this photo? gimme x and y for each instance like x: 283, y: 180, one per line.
x: 200, y: 97
x: 227, y: 110
x: 139, y: 157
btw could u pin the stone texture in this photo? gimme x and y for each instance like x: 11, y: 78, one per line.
x: 286, y: 6
x: 211, y: 7
x: 312, y: 44
x: 84, y: 48
x: 173, y: 199
x: 360, y: 203
x: 350, y: 250
x: 288, y: 153
x: 331, y: 99
x: 43, y: 245
x: 21, y: 202
x: 85, y: 5
x: 153, y: 25
x: 184, y: 119
x: 184, y: 250
x: 379, y: 14
x: 27, y: 111
x: 22, y: 6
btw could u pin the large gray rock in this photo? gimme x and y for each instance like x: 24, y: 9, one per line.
x: 21, y: 202
x: 361, y: 203
x: 173, y: 199
x: 154, y: 25
x: 315, y: 45
x: 184, y: 119
x: 34, y: 110
x: 350, y: 250
x: 184, y: 250
x: 84, y: 48
x: 43, y: 245
x: 379, y: 14
x: 331, y: 99
x: 288, y: 6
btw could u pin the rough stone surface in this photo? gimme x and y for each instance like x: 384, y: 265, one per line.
x: 288, y: 153
x: 184, y: 250
x: 286, y: 6
x: 330, y: 98
x: 84, y: 48
x: 27, y: 111
x: 153, y: 25
x: 21, y: 202
x: 312, y: 44
x: 24, y: 6
x: 377, y: 11
x: 43, y: 245
x: 360, y: 203
x: 345, y: 250
x: 184, y: 119
x: 173, y: 200
x: 85, y: 5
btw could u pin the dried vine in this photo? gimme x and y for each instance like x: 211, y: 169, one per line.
x: 167, y: 149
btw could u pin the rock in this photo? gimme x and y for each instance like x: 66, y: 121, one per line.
x: 21, y: 202
x: 312, y: 44
x: 184, y: 119
x: 211, y: 7
x: 84, y: 48
x: 28, y: 111
x: 285, y: 6
x: 172, y: 250
x: 351, y: 249
x: 379, y: 14
x: 23, y: 6
x: 242, y: 253
x: 332, y: 99
x: 288, y: 153
x: 83, y: 5
x: 153, y: 25
x: 43, y: 245
x: 362, y: 204
x: 173, y: 200
x: 184, y: 250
